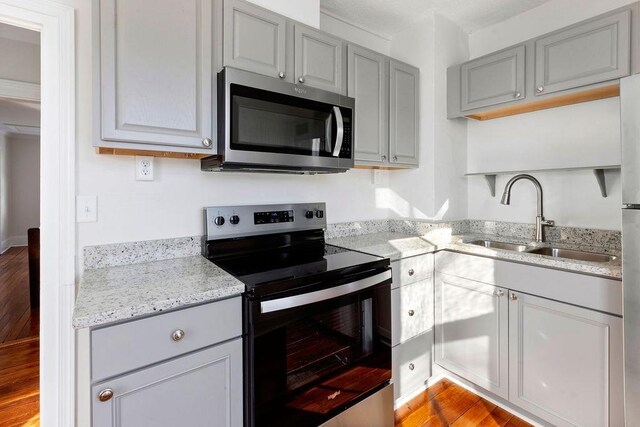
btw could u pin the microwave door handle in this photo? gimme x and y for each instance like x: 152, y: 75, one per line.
x: 324, y: 294
x: 339, y: 131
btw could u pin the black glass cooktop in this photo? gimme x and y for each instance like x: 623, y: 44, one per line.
x: 268, y: 270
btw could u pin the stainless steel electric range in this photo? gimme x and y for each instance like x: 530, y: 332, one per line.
x: 315, y: 351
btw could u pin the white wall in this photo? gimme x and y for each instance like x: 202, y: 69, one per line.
x: 436, y: 190
x: 171, y: 205
x: 570, y: 136
x: 19, y: 61
x: 19, y: 189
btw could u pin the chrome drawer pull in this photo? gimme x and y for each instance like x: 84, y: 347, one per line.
x: 411, y: 272
x: 411, y: 312
x: 412, y: 366
x: 177, y: 335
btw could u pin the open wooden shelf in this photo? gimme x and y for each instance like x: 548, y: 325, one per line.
x: 549, y: 102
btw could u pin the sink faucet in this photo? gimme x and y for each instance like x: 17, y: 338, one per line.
x: 540, y: 221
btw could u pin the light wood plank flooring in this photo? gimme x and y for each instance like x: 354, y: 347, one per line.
x: 447, y: 404
x: 17, y: 320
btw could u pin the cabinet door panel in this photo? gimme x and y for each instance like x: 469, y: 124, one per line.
x: 318, y: 59
x: 156, y: 84
x: 411, y: 311
x: 254, y: 39
x: 493, y: 79
x: 411, y: 364
x: 404, y: 105
x: 588, y: 53
x: 472, y: 331
x: 367, y: 83
x: 565, y: 362
x: 203, y: 388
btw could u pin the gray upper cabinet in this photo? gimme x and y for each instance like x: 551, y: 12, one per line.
x: 493, y: 79
x: 367, y: 83
x: 319, y: 59
x: 156, y: 85
x: 404, y: 107
x: 590, y: 52
x: 254, y: 39
x: 200, y: 389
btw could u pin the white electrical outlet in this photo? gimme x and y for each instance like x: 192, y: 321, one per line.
x: 144, y: 168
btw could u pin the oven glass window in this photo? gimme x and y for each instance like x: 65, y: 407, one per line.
x: 268, y: 122
x: 310, y: 363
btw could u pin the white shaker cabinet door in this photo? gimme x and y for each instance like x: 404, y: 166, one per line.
x: 156, y: 72
x: 199, y: 389
x: 404, y: 113
x: 472, y: 331
x: 565, y: 362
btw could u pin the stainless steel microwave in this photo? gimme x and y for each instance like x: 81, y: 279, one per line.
x: 269, y: 125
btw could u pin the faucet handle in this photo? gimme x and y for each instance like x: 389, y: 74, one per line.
x: 548, y: 222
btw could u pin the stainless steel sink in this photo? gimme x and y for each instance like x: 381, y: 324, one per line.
x: 570, y: 254
x: 499, y: 245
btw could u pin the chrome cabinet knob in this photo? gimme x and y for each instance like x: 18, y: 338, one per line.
x: 301, y: 79
x: 540, y: 89
x: 177, y: 335
x: 384, y: 158
x: 411, y: 312
x: 411, y: 272
x: 282, y: 75
x: 517, y: 95
x: 105, y: 395
x: 412, y: 366
x: 206, y: 142
x: 395, y: 158
x: 499, y: 292
x: 513, y: 296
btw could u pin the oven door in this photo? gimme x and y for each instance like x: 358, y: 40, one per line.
x: 278, y: 124
x: 310, y: 356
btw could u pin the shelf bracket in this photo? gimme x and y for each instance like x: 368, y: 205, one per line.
x: 491, y: 182
x: 602, y: 183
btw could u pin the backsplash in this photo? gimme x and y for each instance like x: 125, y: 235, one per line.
x: 436, y: 232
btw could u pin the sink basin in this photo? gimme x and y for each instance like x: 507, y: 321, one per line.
x: 499, y: 245
x: 570, y: 254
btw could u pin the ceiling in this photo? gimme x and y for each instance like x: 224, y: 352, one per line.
x: 388, y: 17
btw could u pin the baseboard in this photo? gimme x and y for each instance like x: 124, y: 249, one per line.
x: 408, y: 397
x: 13, y: 242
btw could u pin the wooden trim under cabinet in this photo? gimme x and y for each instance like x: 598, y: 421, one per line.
x: 153, y: 153
x: 552, y: 102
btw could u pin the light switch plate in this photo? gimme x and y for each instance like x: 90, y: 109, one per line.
x: 86, y: 209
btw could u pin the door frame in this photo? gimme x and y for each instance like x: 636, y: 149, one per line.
x: 55, y: 22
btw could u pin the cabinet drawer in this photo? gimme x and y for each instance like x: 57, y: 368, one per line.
x: 411, y: 310
x: 411, y: 364
x: 411, y: 270
x: 127, y: 346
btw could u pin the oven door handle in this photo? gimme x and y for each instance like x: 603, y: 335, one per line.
x: 324, y: 294
x: 339, y: 131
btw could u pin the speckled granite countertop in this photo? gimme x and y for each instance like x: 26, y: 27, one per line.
x: 111, y: 294
x: 399, y: 245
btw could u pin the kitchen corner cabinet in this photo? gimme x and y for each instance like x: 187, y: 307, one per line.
x: 564, y: 362
x: 472, y: 334
x: 201, y: 388
x: 156, y: 85
x: 493, y: 79
x: 255, y: 39
x: 319, y: 60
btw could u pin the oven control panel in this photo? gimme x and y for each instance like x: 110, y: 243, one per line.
x: 223, y: 222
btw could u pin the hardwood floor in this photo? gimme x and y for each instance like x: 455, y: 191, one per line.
x: 447, y: 404
x: 17, y: 320
x: 20, y: 383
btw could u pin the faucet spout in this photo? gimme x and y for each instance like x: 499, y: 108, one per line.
x: 540, y: 221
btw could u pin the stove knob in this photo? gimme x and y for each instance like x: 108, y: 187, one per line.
x: 219, y: 220
x: 308, y: 214
x: 235, y: 219
x: 319, y: 213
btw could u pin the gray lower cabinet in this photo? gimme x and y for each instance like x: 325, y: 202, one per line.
x: 404, y: 111
x: 493, y: 79
x: 368, y: 84
x: 156, y: 84
x: 411, y: 310
x: 590, y: 52
x: 471, y: 332
x: 254, y: 39
x: 199, y: 389
x: 565, y: 362
x: 319, y: 60
x: 411, y: 365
